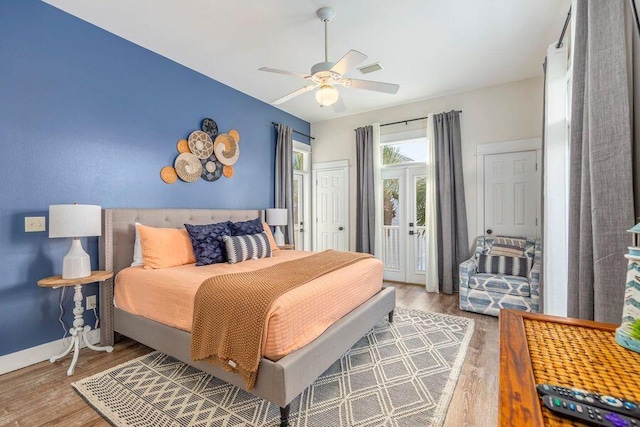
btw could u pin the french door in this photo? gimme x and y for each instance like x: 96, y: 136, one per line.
x: 403, y: 226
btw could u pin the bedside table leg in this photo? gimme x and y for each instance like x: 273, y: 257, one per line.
x: 60, y: 356
x: 76, y: 352
x: 107, y: 348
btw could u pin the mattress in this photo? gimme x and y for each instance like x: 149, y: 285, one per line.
x: 295, y: 319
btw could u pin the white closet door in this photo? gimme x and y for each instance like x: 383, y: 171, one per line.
x: 331, y: 210
x: 511, y: 187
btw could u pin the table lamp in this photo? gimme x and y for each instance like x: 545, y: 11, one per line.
x: 75, y: 221
x: 277, y: 217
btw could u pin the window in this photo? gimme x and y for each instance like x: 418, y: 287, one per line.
x: 298, y: 161
x: 404, y: 152
x: 301, y: 164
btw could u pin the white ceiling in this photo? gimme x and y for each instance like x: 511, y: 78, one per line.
x: 429, y: 47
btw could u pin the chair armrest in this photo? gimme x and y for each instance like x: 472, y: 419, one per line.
x: 534, y: 279
x: 466, y: 270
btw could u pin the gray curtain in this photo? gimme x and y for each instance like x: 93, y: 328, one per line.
x: 453, y: 241
x: 284, y: 176
x: 601, y: 194
x: 365, y: 200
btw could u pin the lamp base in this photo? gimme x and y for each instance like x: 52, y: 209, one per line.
x: 278, y: 236
x: 76, y: 263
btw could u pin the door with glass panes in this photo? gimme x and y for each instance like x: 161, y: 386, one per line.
x: 403, y: 225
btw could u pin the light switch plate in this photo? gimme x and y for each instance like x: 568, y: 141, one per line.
x: 34, y: 223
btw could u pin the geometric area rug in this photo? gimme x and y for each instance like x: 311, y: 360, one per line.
x: 400, y: 374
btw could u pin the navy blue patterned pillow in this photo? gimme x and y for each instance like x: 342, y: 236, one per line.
x: 208, y: 245
x: 247, y: 227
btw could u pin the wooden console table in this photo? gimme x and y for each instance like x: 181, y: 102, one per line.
x: 536, y: 348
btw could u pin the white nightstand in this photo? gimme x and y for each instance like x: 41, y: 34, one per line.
x: 79, y: 331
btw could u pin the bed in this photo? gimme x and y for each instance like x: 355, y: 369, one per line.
x: 279, y: 381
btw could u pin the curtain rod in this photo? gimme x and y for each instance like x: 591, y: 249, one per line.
x: 410, y: 120
x: 295, y: 131
x: 564, y: 29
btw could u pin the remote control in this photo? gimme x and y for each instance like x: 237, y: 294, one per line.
x: 587, y: 413
x: 615, y: 404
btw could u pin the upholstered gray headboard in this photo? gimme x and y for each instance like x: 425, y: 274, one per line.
x: 118, y: 230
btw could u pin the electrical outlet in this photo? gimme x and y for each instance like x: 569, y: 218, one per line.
x: 91, y: 302
x: 34, y: 223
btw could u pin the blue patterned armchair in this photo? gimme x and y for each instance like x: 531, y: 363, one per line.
x: 487, y: 293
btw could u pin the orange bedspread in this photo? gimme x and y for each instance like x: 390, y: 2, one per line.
x: 295, y: 319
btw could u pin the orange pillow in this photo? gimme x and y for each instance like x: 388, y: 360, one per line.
x: 272, y: 241
x: 165, y: 247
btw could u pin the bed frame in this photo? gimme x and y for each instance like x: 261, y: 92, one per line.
x: 278, y: 382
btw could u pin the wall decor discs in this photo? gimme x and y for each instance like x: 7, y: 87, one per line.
x: 235, y: 135
x: 188, y: 167
x: 226, y: 149
x: 210, y: 127
x: 227, y: 171
x: 168, y: 174
x: 183, y: 146
x: 211, y: 169
x: 200, y: 144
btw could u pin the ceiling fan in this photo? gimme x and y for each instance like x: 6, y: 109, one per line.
x: 326, y: 75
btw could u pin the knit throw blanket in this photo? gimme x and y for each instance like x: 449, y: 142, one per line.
x: 230, y: 311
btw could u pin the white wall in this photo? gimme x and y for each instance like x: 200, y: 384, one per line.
x: 505, y: 112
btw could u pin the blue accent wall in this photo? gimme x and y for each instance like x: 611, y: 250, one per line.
x: 88, y: 117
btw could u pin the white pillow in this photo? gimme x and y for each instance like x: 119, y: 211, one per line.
x: 137, y: 249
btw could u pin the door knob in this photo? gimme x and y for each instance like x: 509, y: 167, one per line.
x: 340, y: 228
x: 489, y: 231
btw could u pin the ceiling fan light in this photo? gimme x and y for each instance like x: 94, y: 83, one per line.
x: 327, y: 95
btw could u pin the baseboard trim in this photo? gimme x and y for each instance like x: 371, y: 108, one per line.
x: 31, y: 356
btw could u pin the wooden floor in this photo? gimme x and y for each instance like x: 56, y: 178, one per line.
x: 42, y: 394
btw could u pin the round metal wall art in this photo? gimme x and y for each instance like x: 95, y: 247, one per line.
x: 200, y: 144
x: 226, y: 149
x: 211, y: 169
x: 210, y: 127
x: 188, y: 167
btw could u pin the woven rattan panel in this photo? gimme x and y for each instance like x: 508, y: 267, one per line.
x: 581, y: 357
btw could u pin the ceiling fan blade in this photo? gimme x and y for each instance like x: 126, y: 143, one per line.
x: 287, y: 73
x: 339, y: 106
x: 348, y: 62
x: 294, y: 94
x: 391, y: 88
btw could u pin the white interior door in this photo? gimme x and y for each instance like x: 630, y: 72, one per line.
x: 331, y: 210
x: 403, y: 225
x: 511, y: 192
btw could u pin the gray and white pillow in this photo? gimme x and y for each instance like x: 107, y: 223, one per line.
x: 508, y: 246
x: 250, y: 246
x: 507, y: 265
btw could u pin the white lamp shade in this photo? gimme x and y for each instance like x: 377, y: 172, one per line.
x: 327, y: 95
x: 75, y: 220
x: 277, y: 216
